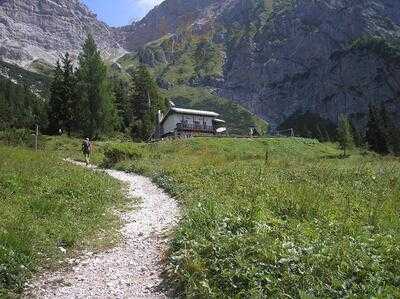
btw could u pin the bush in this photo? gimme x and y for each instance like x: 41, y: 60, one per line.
x: 115, y: 153
x: 19, y: 137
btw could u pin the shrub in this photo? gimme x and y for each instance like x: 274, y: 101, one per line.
x: 115, y: 153
x: 19, y: 137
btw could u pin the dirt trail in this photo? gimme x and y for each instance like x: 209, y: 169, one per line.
x: 133, y: 268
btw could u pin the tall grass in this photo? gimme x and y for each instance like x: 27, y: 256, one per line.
x: 45, y: 205
x: 302, y: 222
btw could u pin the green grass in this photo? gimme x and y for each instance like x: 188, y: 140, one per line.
x: 46, y: 204
x: 276, y: 217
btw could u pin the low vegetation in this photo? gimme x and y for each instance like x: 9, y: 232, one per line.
x: 49, y: 207
x: 276, y: 217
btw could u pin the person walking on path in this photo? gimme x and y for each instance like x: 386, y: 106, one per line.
x: 87, y: 150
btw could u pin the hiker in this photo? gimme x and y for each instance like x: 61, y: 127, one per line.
x: 86, y: 150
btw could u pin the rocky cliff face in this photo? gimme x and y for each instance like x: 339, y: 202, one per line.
x: 172, y: 16
x: 44, y: 29
x: 303, y: 59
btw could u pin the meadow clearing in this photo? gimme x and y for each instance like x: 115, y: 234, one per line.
x: 262, y: 217
x: 284, y: 218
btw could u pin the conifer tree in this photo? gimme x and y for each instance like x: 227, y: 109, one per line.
x: 19, y: 107
x: 120, y: 88
x: 144, y: 102
x: 56, y: 113
x: 63, y: 99
x: 96, y: 102
x: 375, y: 135
x: 390, y: 131
x: 345, y: 137
x: 69, y: 94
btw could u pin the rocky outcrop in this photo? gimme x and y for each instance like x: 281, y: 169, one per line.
x: 172, y: 16
x: 302, y: 60
x: 45, y: 29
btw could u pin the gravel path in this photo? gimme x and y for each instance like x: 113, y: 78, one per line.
x: 131, y: 270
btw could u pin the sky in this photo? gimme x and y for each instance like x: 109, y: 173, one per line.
x: 121, y: 12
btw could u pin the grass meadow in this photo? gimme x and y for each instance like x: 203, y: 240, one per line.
x: 46, y: 206
x: 286, y: 218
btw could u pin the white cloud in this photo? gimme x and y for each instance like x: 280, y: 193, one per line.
x: 147, y: 4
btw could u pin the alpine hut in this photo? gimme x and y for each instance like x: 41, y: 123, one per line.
x: 180, y: 122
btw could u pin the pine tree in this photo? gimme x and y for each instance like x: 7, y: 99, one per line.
x: 120, y: 88
x: 389, y: 130
x: 19, y: 107
x: 96, y: 102
x: 375, y: 135
x: 69, y: 94
x: 63, y: 99
x: 345, y: 136
x: 56, y: 113
x: 144, y: 102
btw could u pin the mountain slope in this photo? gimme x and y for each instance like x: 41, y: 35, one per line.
x: 284, y: 58
x: 281, y: 59
x: 170, y: 17
x: 44, y: 29
x: 302, y: 59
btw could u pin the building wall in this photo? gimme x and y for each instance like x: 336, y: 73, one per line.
x: 172, y: 120
x: 169, y: 124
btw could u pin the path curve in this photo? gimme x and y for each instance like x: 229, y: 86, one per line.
x: 132, y: 269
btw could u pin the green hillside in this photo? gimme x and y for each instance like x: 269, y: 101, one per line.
x: 276, y: 217
x: 176, y: 70
x: 38, y: 83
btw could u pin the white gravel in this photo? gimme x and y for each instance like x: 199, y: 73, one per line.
x: 131, y: 270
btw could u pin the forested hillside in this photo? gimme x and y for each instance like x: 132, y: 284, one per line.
x: 20, y: 107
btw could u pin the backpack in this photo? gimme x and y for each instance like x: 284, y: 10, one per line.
x: 86, y: 146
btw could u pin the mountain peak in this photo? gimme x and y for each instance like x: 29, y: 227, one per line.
x: 45, y: 29
x: 171, y: 16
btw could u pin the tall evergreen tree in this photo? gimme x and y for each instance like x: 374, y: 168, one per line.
x: 69, y: 94
x: 56, y: 113
x: 97, y: 112
x: 144, y: 102
x: 390, y: 131
x: 345, y: 137
x: 120, y: 88
x: 19, y: 107
x: 63, y: 99
x: 375, y: 135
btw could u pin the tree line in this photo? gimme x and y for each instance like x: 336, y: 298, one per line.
x: 90, y: 102
x: 20, y: 107
x: 382, y: 134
